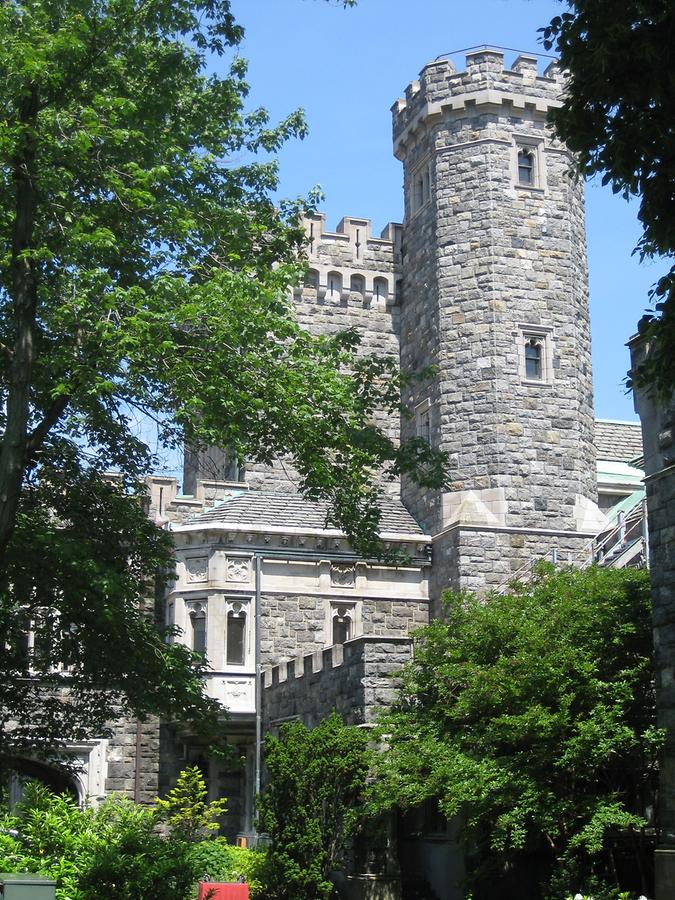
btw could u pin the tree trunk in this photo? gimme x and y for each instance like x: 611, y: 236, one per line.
x: 24, y: 301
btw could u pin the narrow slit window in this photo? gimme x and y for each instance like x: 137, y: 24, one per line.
x: 236, y: 638
x: 533, y: 360
x: 526, y: 167
x: 198, y: 622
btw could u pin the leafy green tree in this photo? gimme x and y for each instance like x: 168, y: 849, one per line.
x: 617, y: 117
x: 530, y: 717
x: 311, y: 805
x: 143, y: 271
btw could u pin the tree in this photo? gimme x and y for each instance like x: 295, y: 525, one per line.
x: 617, y: 117
x: 141, y: 269
x: 530, y: 717
x: 310, y: 807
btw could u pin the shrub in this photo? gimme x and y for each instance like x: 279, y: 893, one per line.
x: 116, y: 849
x: 311, y: 806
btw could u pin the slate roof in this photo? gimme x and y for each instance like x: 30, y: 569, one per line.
x: 618, y: 441
x: 262, y: 507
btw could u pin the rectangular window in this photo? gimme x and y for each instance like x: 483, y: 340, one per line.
x: 423, y: 421
x: 420, y: 192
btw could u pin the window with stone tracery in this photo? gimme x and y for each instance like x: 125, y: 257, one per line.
x: 197, y: 620
x: 235, y: 636
x: 342, y: 624
x: 535, y: 351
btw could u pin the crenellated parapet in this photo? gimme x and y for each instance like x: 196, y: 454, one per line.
x: 350, y: 264
x: 357, y: 679
x: 484, y: 83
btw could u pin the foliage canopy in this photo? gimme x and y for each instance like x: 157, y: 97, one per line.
x: 115, y: 849
x: 617, y: 117
x: 145, y: 269
x: 530, y: 715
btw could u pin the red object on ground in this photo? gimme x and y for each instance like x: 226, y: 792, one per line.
x: 218, y: 890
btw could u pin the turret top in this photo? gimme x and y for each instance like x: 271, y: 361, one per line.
x: 485, y: 82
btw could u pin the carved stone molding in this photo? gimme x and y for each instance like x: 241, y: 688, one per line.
x: 197, y: 568
x: 238, y: 570
x: 342, y: 576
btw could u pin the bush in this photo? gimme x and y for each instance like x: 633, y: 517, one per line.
x: 116, y: 849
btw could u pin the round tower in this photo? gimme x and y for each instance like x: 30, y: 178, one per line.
x: 495, y: 297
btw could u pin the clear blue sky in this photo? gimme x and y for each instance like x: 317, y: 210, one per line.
x: 345, y: 68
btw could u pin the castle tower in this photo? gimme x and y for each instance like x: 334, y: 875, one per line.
x: 495, y: 296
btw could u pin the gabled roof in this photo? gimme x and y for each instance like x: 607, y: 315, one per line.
x: 269, y: 508
x: 618, y: 441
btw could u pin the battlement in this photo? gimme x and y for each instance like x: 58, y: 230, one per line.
x: 354, y: 234
x: 485, y: 82
x: 356, y: 679
x: 349, y: 264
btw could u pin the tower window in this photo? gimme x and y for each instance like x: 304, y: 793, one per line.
x: 334, y: 284
x: 421, y: 188
x: 526, y: 172
x: 312, y: 279
x: 535, y: 350
x: 533, y: 360
x: 235, y: 638
x: 423, y: 421
x: 380, y: 288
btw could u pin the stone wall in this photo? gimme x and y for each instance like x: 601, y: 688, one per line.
x: 479, y: 559
x: 658, y: 439
x: 133, y: 760
x: 356, y: 679
x: 294, y: 625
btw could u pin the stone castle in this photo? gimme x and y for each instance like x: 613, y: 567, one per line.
x: 487, y: 280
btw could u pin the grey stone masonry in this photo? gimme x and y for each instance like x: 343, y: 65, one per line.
x: 133, y: 760
x: 658, y: 438
x: 357, y: 680
x: 352, y: 283
x: 493, y: 259
x: 295, y: 625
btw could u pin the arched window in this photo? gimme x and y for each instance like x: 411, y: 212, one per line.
x: 334, y: 285
x: 312, y: 279
x: 534, y: 369
x: 235, y: 638
x: 357, y: 284
x: 380, y: 289
x: 342, y: 624
x: 526, y: 166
